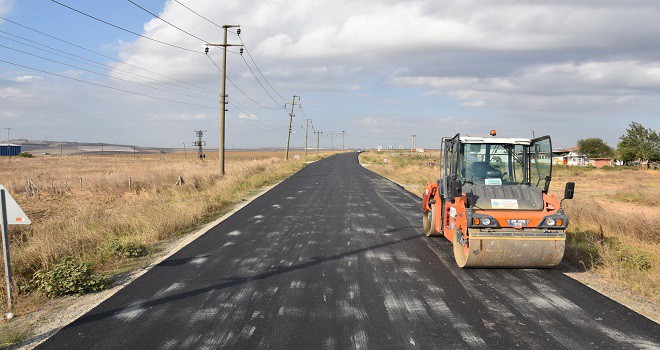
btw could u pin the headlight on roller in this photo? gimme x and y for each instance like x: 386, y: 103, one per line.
x: 482, y: 221
x: 557, y: 221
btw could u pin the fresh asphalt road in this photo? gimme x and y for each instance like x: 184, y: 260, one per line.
x: 334, y: 258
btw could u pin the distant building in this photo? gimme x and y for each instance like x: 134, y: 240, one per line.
x: 9, y: 149
x: 600, y: 162
x: 569, y: 156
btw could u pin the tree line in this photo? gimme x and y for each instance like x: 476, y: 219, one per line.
x: 637, y: 144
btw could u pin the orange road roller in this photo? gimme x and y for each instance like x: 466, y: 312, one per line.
x: 492, y: 202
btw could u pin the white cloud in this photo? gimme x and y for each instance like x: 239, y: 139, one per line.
x: 28, y: 78
x: 245, y: 116
x: 562, y: 86
x: 5, y: 7
x: 371, y: 63
x: 13, y: 93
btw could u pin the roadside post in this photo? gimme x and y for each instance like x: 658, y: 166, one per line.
x: 12, y: 214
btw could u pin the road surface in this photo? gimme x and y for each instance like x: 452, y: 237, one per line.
x: 334, y: 258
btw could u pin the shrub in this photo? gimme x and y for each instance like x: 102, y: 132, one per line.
x: 68, y: 277
x: 25, y: 155
x: 127, y: 249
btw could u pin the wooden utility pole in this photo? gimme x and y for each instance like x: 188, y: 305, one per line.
x: 223, y: 96
x: 288, y: 135
x: 318, y: 134
x: 332, y: 140
x: 184, y: 150
x: 8, y: 145
x: 342, y: 140
x: 306, y: 135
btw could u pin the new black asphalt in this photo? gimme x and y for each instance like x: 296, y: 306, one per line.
x: 334, y: 258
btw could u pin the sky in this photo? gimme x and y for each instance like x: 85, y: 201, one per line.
x: 380, y: 70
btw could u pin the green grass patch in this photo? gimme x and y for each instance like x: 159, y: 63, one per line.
x: 14, y: 333
x: 68, y: 277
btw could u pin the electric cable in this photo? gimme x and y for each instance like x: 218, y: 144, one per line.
x: 124, y: 29
x: 257, y: 66
x: 101, y: 74
x: 96, y: 64
x: 160, y: 18
x: 241, y: 90
x: 191, y: 10
x: 104, y: 86
x: 258, y: 81
x: 106, y: 56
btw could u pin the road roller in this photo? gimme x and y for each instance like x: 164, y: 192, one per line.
x: 492, y: 202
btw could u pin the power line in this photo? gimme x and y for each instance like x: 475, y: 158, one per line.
x: 256, y: 126
x: 257, y: 66
x: 193, y: 11
x: 241, y: 90
x: 246, y: 50
x: 258, y: 81
x: 261, y: 119
x: 160, y: 18
x: 101, y: 74
x: 249, y: 111
x: 106, y: 56
x: 391, y: 138
x: 104, y: 86
x: 87, y: 61
x: 124, y: 29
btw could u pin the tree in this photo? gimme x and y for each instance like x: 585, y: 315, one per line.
x: 639, y: 143
x: 595, y: 147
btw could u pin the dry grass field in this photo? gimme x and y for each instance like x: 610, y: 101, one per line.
x: 105, y: 224
x: 614, y: 228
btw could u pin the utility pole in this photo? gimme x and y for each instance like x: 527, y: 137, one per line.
x: 134, y: 154
x: 332, y: 140
x: 184, y: 150
x: 60, y: 150
x: 288, y: 135
x: 199, y: 143
x: 306, y: 135
x: 414, y: 141
x: 533, y: 134
x: 8, y: 144
x: 223, y: 96
x: 101, y: 148
x: 342, y: 140
x: 318, y: 134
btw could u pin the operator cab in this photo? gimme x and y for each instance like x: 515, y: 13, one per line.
x: 490, y: 167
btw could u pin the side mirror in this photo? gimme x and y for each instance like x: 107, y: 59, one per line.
x: 455, y: 188
x: 569, y: 190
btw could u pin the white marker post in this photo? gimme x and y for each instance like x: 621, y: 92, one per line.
x: 12, y: 214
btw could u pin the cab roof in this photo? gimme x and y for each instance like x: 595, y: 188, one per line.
x: 491, y: 139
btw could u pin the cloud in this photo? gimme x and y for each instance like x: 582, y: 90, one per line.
x: 245, y: 116
x: 183, y: 116
x: 561, y: 86
x: 373, y: 64
x: 28, y: 78
x: 5, y: 7
x: 13, y: 93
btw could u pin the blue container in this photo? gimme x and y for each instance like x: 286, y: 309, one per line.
x: 10, y: 150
